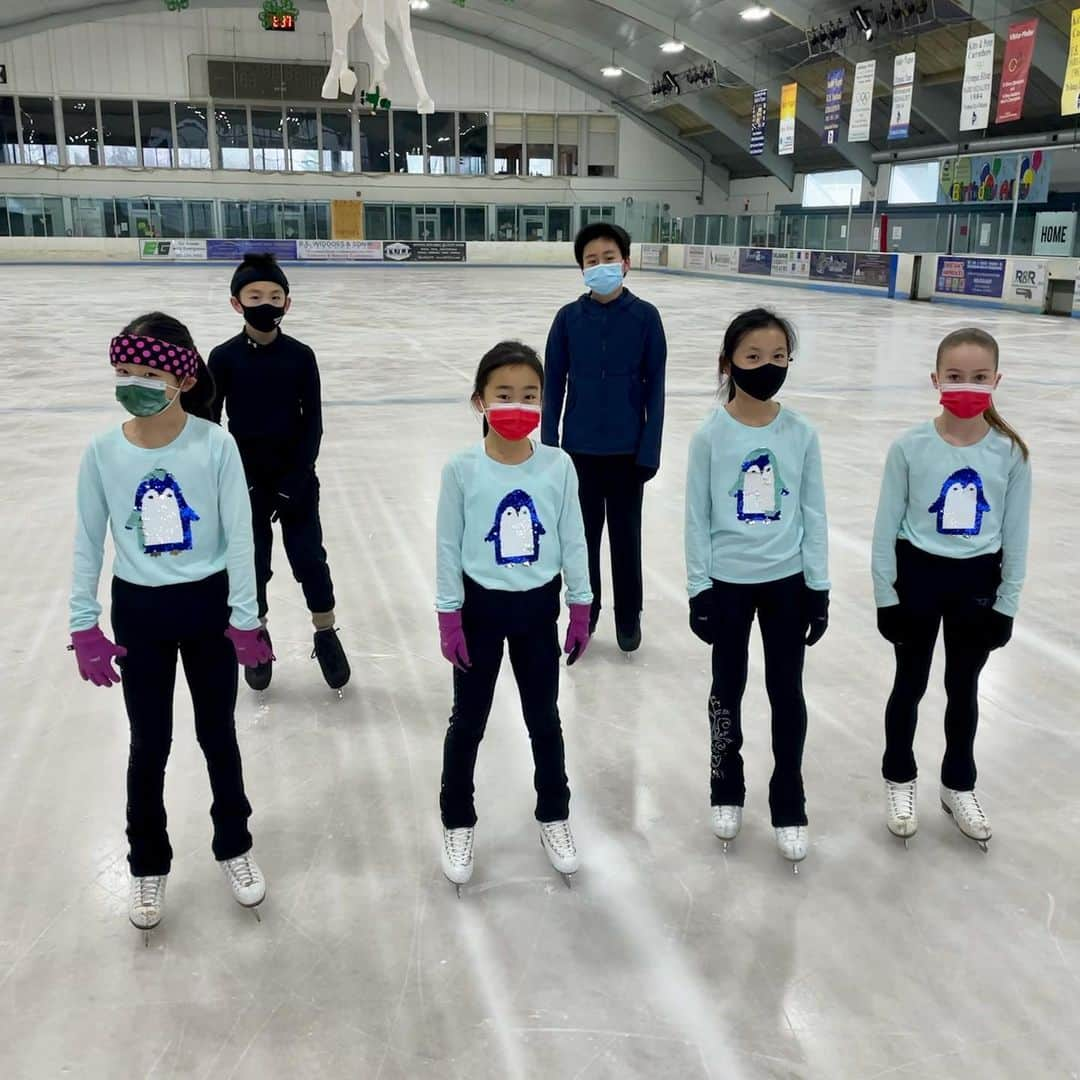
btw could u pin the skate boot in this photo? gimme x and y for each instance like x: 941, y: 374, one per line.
x: 246, y: 880
x: 900, y: 812
x: 628, y: 635
x: 792, y: 840
x: 726, y: 822
x: 258, y: 677
x: 332, y: 659
x: 147, y: 904
x: 558, y: 842
x: 457, y: 856
x: 963, y: 807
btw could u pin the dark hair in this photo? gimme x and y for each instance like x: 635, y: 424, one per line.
x: 197, y: 401
x: 972, y: 335
x: 505, y: 354
x: 747, y: 323
x: 601, y: 230
x: 258, y: 267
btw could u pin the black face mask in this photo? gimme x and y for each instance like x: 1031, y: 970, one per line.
x: 760, y: 382
x: 265, y: 317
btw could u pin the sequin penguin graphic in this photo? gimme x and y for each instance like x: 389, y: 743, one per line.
x: 760, y: 487
x: 517, y: 530
x: 162, y: 515
x: 961, y: 504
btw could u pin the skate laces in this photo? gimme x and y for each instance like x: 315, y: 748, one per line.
x: 148, y: 892
x: 242, y: 871
x: 968, y: 806
x: 559, y: 837
x: 902, y: 800
x: 459, y: 845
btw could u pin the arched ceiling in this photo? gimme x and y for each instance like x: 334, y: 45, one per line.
x: 574, y: 39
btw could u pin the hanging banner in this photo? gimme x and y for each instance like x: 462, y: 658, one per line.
x: 993, y: 179
x: 1014, y: 71
x: 862, y: 101
x: 834, y: 95
x: 788, y: 95
x: 757, y: 122
x: 903, y: 85
x: 978, y: 83
x: 1070, y: 90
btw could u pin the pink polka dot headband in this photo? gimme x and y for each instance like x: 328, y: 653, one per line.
x: 154, y: 353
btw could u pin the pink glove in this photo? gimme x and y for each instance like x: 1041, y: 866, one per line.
x: 577, y: 634
x: 252, y: 646
x: 94, y: 653
x: 452, y: 640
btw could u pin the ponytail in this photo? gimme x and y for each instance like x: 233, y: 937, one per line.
x: 994, y: 419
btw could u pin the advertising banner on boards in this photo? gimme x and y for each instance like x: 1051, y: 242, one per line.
x: 832, y: 266
x: 873, y: 271
x: 173, y: 250
x: 235, y: 250
x: 755, y: 261
x: 423, y: 251
x: 790, y: 263
x: 695, y: 257
x: 971, y: 277
x: 340, y: 250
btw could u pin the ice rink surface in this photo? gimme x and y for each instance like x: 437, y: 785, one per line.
x: 667, y: 958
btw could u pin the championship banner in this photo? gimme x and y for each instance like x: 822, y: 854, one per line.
x: 978, y: 83
x: 1019, y: 49
x: 758, y: 119
x: 1070, y: 90
x: 862, y: 101
x: 788, y: 95
x: 834, y: 95
x: 903, y: 85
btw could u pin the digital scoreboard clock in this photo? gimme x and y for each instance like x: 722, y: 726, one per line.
x: 280, y: 22
x: 278, y: 15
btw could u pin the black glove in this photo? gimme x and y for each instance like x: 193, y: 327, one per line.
x: 817, y: 615
x: 647, y: 472
x: 892, y: 624
x: 997, y: 630
x: 702, y: 620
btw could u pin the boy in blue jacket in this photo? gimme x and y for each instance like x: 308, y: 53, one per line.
x: 606, y: 355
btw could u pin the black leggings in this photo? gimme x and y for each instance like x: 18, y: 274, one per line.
x: 779, y: 606
x: 528, y: 623
x: 936, y: 591
x: 155, y: 624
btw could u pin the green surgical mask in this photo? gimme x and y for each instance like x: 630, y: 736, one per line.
x: 142, y: 396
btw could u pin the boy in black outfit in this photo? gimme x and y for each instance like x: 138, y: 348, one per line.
x: 269, y: 384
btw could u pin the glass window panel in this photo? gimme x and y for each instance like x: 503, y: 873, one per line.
x: 118, y: 134
x: 39, y: 137
x: 541, y: 145
x: 9, y: 139
x: 192, y: 135
x: 840, y: 189
x: 508, y: 139
x: 155, y: 134
x: 377, y: 222
x: 559, y: 223
x: 506, y: 222
x: 473, y: 138
x: 569, y: 139
x: 303, y: 131
x: 375, y: 142
x: 80, y: 131
x: 268, y: 139
x: 532, y: 222
x: 263, y: 220
x: 403, y: 223
x: 235, y: 220
x: 337, y: 141
x: 232, y: 133
x: 21, y: 213
x: 602, y: 145
x: 447, y: 230
x: 318, y: 217
x: 169, y: 214
x: 5, y: 227
x: 199, y: 218
x: 88, y: 217
x: 408, y: 144
x: 442, y: 158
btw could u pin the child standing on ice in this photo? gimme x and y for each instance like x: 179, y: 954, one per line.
x: 509, y: 527
x: 950, y: 549
x: 757, y: 545
x: 169, y: 486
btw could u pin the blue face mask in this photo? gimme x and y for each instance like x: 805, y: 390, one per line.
x: 605, y: 278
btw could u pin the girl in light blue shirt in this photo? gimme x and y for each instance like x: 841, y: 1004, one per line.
x: 170, y: 488
x: 757, y: 547
x: 509, y: 532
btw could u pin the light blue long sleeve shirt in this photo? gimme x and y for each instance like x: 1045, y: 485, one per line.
x: 755, y: 503
x: 953, y: 501
x: 177, y: 514
x: 510, y: 527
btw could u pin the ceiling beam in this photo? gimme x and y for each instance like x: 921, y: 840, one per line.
x: 759, y: 72
x: 736, y: 131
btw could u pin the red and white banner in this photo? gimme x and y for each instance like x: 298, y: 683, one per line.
x: 1014, y: 71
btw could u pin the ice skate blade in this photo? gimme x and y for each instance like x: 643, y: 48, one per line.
x: 984, y: 845
x: 568, y: 880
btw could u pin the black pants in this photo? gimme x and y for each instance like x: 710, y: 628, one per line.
x: 527, y: 622
x: 155, y: 625
x: 934, y: 592
x: 301, y: 532
x: 611, y: 489
x: 779, y: 607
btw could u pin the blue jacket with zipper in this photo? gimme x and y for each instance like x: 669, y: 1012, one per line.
x: 606, y: 363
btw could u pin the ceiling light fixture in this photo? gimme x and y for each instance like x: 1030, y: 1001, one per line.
x: 674, y: 45
x: 862, y: 19
x: 419, y: 5
x: 611, y: 71
x: 755, y: 13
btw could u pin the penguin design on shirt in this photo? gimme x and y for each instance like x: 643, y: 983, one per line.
x: 162, y: 515
x: 760, y: 487
x: 961, y: 504
x: 517, y: 530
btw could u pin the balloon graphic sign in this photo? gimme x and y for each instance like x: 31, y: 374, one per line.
x: 994, y: 179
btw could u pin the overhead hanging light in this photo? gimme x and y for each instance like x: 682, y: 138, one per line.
x: 755, y: 13
x: 419, y: 5
x: 674, y: 45
x: 612, y: 70
x: 862, y: 19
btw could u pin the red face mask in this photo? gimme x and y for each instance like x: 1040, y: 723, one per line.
x: 513, y: 422
x: 966, y: 400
